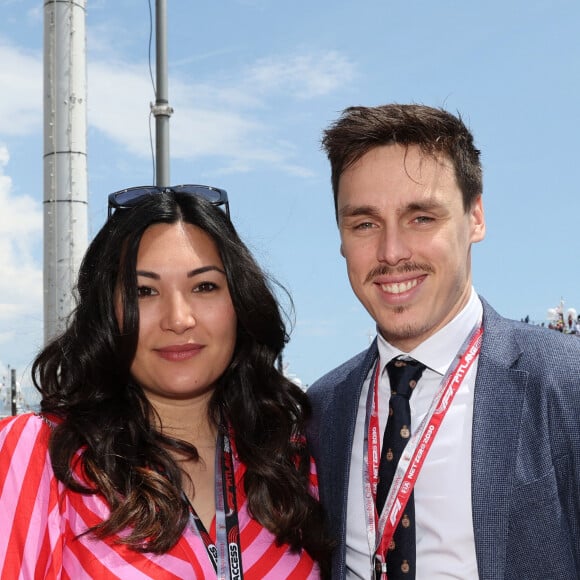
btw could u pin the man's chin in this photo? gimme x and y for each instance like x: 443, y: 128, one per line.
x: 405, y: 335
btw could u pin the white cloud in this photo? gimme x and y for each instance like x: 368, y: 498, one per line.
x: 21, y: 90
x: 21, y: 275
x: 303, y: 76
x: 117, y: 103
x: 195, y: 131
x: 223, y: 118
x: 21, y: 279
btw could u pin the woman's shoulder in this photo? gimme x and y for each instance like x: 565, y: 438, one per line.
x: 24, y: 461
x: 25, y: 433
x: 29, y: 421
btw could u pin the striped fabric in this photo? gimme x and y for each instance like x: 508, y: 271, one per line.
x: 40, y: 519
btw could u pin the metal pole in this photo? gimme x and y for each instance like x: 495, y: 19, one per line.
x: 13, y: 393
x: 161, y: 109
x: 65, y: 157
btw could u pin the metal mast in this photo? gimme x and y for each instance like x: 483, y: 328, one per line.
x: 65, y: 157
x: 161, y: 110
x: 13, y: 393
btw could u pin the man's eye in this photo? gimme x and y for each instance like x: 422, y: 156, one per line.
x: 423, y: 219
x: 363, y: 226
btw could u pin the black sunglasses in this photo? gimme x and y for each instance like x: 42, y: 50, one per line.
x: 127, y: 198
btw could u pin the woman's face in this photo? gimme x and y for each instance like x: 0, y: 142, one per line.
x: 187, y: 329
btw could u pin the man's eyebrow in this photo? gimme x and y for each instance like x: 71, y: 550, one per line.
x: 190, y: 274
x: 372, y: 211
x: 358, y: 210
x: 426, y: 205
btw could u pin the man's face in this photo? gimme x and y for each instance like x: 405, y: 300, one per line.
x: 407, y: 240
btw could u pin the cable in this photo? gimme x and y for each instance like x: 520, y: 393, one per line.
x: 154, y: 92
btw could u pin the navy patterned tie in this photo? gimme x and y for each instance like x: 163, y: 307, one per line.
x: 403, y: 376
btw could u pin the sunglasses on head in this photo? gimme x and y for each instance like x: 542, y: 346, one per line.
x: 128, y: 198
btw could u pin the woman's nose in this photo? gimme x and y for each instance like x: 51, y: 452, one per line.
x: 178, y: 314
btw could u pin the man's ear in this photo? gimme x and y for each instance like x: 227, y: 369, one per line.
x: 477, y: 218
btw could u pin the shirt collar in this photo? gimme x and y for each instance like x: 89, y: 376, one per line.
x: 439, y: 350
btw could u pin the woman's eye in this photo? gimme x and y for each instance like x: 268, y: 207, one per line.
x: 143, y: 291
x: 205, y: 287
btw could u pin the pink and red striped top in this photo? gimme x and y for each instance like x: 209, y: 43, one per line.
x: 40, y: 520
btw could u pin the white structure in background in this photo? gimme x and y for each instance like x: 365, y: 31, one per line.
x: 4, y: 396
x: 65, y: 157
x: 11, y: 400
x: 294, y: 378
x: 563, y: 321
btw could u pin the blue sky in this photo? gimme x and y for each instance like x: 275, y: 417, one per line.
x: 253, y: 83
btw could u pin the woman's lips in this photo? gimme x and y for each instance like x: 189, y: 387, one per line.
x: 178, y: 352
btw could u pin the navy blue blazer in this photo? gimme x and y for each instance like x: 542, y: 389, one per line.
x: 525, y: 457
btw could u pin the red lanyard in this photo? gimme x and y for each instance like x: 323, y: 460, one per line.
x: 373, y: 438
x: 414, y: 454
x: 225, y: 554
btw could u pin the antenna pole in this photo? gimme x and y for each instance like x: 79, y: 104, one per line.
x: 65, y: 158
x: 13, y: 393
x: 161, y: 110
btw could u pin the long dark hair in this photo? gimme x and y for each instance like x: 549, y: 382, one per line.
x: 84, y: 378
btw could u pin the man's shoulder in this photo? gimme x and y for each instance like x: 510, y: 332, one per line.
x: 339, y: 374
x: 551, y: 343
x: 534, y: 344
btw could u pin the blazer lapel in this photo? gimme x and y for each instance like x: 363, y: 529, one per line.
x: 338, y: 433
x: 499, y: 395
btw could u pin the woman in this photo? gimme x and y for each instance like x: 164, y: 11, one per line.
x: 168, y: 445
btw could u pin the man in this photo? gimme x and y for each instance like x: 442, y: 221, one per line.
x: 492, y: 491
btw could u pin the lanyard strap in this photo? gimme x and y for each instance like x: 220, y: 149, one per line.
x: 225, y: 554
x: 204, y: 535
x: 413, y: 455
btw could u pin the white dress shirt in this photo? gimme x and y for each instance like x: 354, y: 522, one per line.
x: 443, y: 516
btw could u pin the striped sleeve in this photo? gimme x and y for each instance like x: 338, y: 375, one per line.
x: 30, y: 541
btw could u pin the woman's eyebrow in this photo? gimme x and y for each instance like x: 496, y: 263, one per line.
x: 190, y: 274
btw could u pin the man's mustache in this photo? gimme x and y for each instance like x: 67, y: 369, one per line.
x: 407, y: 268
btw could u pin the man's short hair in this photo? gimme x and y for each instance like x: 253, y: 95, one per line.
x: 435, y: 131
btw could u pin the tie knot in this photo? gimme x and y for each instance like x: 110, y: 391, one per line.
x: 404, y: 374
